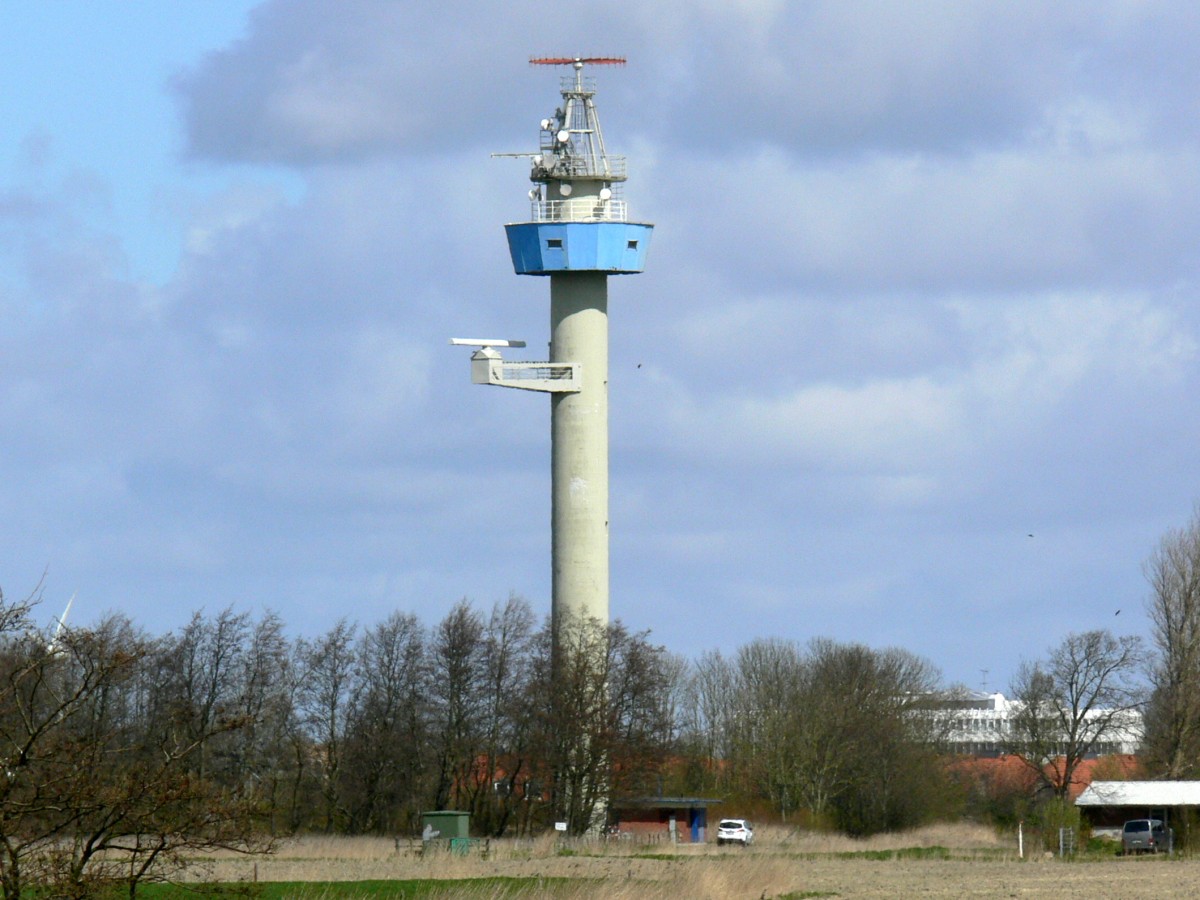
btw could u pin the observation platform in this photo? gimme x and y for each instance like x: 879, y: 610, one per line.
x: 547, y: 248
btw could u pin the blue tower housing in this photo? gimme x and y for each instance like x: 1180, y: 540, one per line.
x: 544, y: 248
x: 579, y: 220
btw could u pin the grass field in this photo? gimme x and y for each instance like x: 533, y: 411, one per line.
x: 939, y: 862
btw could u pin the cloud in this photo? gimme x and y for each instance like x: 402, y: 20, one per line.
x: 923, y: 278
x: 1001, y: 220
x: 1027, y: 369
x: 317, y: 82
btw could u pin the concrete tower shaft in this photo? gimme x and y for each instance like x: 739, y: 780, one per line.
x: 579, y: 449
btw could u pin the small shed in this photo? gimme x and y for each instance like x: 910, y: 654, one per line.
x: 1107, y: 804
x: 445, y: 824
x: 681, y: 819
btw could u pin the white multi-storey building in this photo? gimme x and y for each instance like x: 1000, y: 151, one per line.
x: 980, y: 724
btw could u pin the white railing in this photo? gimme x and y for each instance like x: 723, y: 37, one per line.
x: 585, y: 85
x: 578, y: 165
x: 588, y: 209
x: 549, y: 377
x: 537, y: 371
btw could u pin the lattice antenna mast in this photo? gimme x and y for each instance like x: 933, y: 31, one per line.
x: 572, y: 143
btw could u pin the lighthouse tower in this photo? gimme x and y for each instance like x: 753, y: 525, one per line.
x: 577, y: 235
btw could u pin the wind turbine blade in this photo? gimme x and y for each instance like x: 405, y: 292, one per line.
x: 62, y: 620
x: 62, y: 623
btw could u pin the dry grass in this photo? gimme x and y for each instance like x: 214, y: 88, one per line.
x: 316, y: 848
x: 782, y: 863
x: 964, y: 838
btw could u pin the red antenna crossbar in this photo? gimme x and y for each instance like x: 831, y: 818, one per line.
x: 571, y: 60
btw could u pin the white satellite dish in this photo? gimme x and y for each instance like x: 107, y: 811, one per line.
x: 545, y: 124
x: 563, y: 136
x: 564, y: 189
x: 605, y: 193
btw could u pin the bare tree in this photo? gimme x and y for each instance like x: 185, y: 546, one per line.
x: 842, y: 731
x: 1172, y: 745
x: 869, y: 755
x: 261, y: 752
x: 15, y: 616
x: 709, y: 721
x: 569, y: 690
x: 601, y: 722
x: 769, y: 713
x: 826, y: 741
x: 326, y: 684
x: 456, y: 687
x: 99, y: 785
x: 507, y: 719
x: 1072, y: 703
x: 203, y: 677
x: 387, y: 735
x: 641, y: 715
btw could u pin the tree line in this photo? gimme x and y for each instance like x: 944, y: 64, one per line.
x: 122, y: 751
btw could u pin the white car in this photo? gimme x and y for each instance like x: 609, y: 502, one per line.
x: 735, y: 831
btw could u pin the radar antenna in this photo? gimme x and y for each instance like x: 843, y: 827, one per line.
x: 577, y: 61
x: 571, y: 149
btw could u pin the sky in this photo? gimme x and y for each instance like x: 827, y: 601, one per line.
x: 914, y: 361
